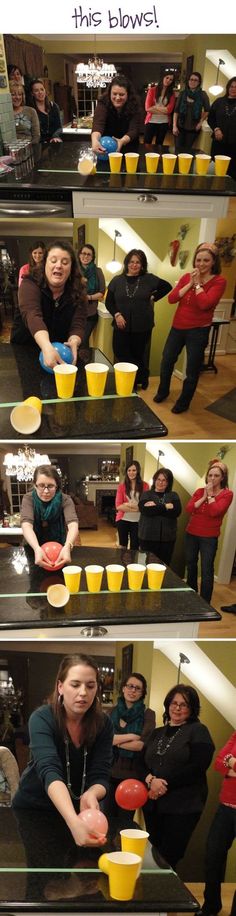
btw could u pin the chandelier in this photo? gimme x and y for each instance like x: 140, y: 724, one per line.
x: 95, y: 73
x: 23, y: 464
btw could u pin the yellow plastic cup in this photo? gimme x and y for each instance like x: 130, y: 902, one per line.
x: 202, y: 163
x: 85, y: 166
x: 114, y: 576
x: 58, y: 595
x: 26, y: 417
x: 124, y: 378
x: 123, y: 869
x: 72, y: 575
x: 168, y: 162
x: 155, y: 574
x: 35, y: 402
x: 152, y: 160
x: 65, y: 378
x: 184, y: 163
x: 96, y: 376
x: 134, y: 841
x: 94, y: 576
x: 115, y: 162
x: 222, y: 165
x: 131, y: 162
x: 136, y: 573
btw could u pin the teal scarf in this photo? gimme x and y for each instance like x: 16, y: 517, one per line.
x: 91, y: 276
x: 196, y: 95
x: 49, y: 523
x: 134, y: 718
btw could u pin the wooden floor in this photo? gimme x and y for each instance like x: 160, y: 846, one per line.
x: 197, y: 423
x: 227, y: 891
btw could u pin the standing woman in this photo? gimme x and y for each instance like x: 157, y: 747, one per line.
x: 52, y: 305
x: 47, y: 514
x: 222, y: 120
x: 159, y: 104
x: 191, y: 110
x: 37, y: 253
x: 197, y: 294
x: 95, y: 287
x: 133, y: 723
x: 130, y: 300
x: 26, y: 119
x: 71, y: 749
x: 206, y: 508
x: 127, y: 505
x: 117, y: 114
x: 222, y: 831
x: 177, y: 756
x: 159, y: 510
x: 48, y: 113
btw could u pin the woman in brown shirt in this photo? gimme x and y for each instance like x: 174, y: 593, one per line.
x: 47, y: 514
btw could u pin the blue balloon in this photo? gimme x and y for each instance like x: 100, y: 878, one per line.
x: 64, y: 351
x: 109, y: 144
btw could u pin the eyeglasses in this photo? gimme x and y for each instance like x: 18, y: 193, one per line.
x: 133, y: 687
x: 45, y: 486
x: 179, y: 705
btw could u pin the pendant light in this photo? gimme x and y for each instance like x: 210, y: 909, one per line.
x: 216, y: 89
x: 114, y: 265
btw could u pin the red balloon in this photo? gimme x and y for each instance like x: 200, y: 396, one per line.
x: 131, y: 794
x: 95, y: 820
x: 52, y: 550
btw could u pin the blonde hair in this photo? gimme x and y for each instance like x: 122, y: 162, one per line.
x: 13, y: 85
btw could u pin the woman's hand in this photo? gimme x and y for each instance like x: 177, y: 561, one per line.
x: 175, y: 130
x: 82, y: 835
x: 56, y: 140
x: 157, y: 786
x: 73, y: 342
x: 64, y: 555
x: 218, y: 133
x: 41, y: 559
x: 169, y: 505
x: 150, y: 502
x: 120, y: 321
x: 89, y: 800
x: 195, y: 276
x: 50, y: 355
x: 96, y: 144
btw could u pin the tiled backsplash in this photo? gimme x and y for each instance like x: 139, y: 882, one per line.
x: 7, y: 122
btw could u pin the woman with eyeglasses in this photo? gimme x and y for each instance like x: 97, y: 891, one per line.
x: 191, y: 110
x: 95, y: 287
x: 159, y: 509
x: 177, y: 756
x: 133, y: 722
x: 47, y: 514
x: 71, y: 750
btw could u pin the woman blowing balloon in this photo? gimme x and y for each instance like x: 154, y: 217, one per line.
x: 71, y: 750
x: 47, y: 514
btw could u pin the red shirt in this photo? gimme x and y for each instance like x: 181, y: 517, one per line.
x: 205, y: 521
x: 228, y: 788
x: 121, y: 497
x: 196, y: 310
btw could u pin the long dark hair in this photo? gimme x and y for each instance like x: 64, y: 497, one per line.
x: 138, y: 254
x: 49, y: 471
x: 93, y: 719
x: 75, y: 283
x: 190, y: 696
x: 138, y: 479
x: 33, y: 267
x: 228, y: 84
x: 167, y: 89
x: 32, y: 100
x: 167, y: 474
x: 133, y: 101
x: 91, y: 248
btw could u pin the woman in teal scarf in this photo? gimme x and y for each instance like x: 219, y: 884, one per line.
x: 191, y: 110
x: 95, y: 287
x: 47, y: 514
x: 133, y: 724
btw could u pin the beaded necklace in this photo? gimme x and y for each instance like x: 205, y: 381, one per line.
x: 131, y: 290
x: 162, y: 745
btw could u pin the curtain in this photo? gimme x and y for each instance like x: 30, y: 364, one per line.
x: 23, y: 54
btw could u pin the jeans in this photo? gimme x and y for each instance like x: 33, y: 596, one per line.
x: 207, y: 548
x: 220, y: 839
x: 133, y: 348
x: 128, y: 530
x: 195, y: 340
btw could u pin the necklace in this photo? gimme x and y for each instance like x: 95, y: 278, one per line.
x: 68, y: 776
x: 229, y: 111
x: 162, y: 745
x: 131, y: 290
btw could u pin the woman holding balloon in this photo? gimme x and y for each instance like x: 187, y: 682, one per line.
x: 177, y: 756
x: 118, y: 115
x: 71, y: 753
x: 47, y: 514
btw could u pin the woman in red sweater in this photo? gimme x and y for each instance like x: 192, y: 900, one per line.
x: 206, y: 508
x: 223, y: 829
x: 159, y: 104
x: 197, y: 294
x: 127, y: 500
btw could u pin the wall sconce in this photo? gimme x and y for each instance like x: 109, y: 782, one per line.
x: 113, y: 266
x: 216, y: 89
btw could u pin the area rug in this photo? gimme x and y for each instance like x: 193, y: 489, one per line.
x: 225, y: 406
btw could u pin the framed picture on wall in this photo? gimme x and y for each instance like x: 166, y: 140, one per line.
x: 127, y: 661
x: 81, y: 235
x: 129, y: 454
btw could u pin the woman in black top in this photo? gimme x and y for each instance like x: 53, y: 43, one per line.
x: 159, y: 509
x: 130, y: 299
x: 48, y: 113
x: 95, y: 287
x: 222, y: 120
x: 117, y: 114
x: 191, y: 110
x: 177, y: 756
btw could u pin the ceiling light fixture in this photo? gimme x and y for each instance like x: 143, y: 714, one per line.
x: 216, y: 89
x: 114, y: 265
x: 23, y: 464
x: 96, y: 73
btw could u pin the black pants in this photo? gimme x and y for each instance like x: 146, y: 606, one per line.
x: 91, y: 321
x: 222, y: 148
x: 128, y: 530
x: 170, y: 833
x: 220, y: 838
x: 207, y: 548
x: 195, y: 340
x: 155, y: 130
x: 133, y: 348
x: 184, y: 141
x: 161, y: 549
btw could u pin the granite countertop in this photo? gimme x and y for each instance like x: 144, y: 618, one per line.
x: 43, y: 869
x: 20, y: 578
x: 57, y: 166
